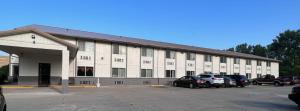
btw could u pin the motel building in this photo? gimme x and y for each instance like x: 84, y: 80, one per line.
x: 44, y: 55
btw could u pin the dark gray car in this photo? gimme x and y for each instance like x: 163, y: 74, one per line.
x: 3, y: 102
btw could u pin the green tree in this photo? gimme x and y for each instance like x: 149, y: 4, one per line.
x: 259, y: 50
x: 230, y: 49
x: 286, y: 47
x: 4, y: 70
x: 244, y: 48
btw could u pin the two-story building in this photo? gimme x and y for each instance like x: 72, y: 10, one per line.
x: 52, y: 55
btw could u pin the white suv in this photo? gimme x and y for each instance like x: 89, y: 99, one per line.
x: 213, y: 80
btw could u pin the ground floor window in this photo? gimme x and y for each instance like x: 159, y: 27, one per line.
x: 258, y: 75
x: 207, y: 72
x: 170, y: 73
x: 85, y: 71
x: 118, y: 72
x: 190, y: 73
x: 223, y: 73
x: 248, y: 75
x: 146, y: 73
x: 236, y: 73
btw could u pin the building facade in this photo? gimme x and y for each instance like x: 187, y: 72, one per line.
x: 52, y: 55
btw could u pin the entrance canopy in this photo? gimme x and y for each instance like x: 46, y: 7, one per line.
x: 35, y: 48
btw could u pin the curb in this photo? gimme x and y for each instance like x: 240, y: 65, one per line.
x: 17, y: 87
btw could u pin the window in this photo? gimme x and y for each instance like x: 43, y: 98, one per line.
x: 207, y: 72
x: 248, y: 75
x: 89, y: 71
x: 236, y: 60
x: 248, y: 62
x: 258, y: 75
x: 85, y: 71
x: 190, y: 73
x: 268, y: 64
x: 146, y: 73
x: 223, y: 59
x: 223, y: 73
x: 118, y: 72
x: 190, y: 56
x: 236, y: 73
x: 147, y: 52
x: 170, y: 73
x: 170, y: 54
x: 258, y: 63
x: 118, y: 49
x: 81, y: 45
x: 207, y: 58
x: 80, y: 71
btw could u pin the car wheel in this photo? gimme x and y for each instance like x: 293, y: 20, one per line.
x: 175, y: 84
x: 277, y: 84
x: 191, y: 86
x: 242, y: 85
x: 255, y: 83
x: 298, y: 103
x: 207, y: 84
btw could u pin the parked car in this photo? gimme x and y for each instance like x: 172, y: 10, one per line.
x: 240, y: 80
x: 295, y: 95
x: 2, y: 100
x: 190, y: 81
x: 228, y: 82
x: 270, y: 79
x: 213, y: 80
x: 296, y: 80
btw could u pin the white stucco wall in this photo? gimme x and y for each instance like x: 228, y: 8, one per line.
x: 216, y: 64
x: 27, y: 40
x: 159, y: 63
x: 180, y: 64
x: 242, y: 66
x: 199, y: 64
x: 134, y: 63
x: 29, y: 64
x: 103, y: 60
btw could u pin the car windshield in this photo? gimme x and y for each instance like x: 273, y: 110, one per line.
x: 204, y: 76
x: 196, y: 77
x: 218, y: 76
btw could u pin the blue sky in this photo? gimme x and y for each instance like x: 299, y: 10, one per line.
x: 216, y: 24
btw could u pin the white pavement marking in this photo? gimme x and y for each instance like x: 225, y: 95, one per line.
x: 282, y: 95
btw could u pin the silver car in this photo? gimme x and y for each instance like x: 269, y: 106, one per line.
x: 213, y: 80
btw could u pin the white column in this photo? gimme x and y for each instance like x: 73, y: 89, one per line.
x: 10, y: 66
x: 65, y: 70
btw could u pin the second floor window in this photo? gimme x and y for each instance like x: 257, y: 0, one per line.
x: 118, y: 49
x: 81, y: 45
x: 268, y: 64
x: 258, y: 63
x: 170, y: 54
x: 190, y: 56
x: 223, y: 59
x: 207, y: 58
x: 147, y: 52
x: 248, y: 62
x: 236, y: 60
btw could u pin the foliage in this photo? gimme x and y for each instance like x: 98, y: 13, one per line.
x: 285, y: 47
x: 4, y: 70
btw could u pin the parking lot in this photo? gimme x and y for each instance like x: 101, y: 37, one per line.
x: 146, y: 98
